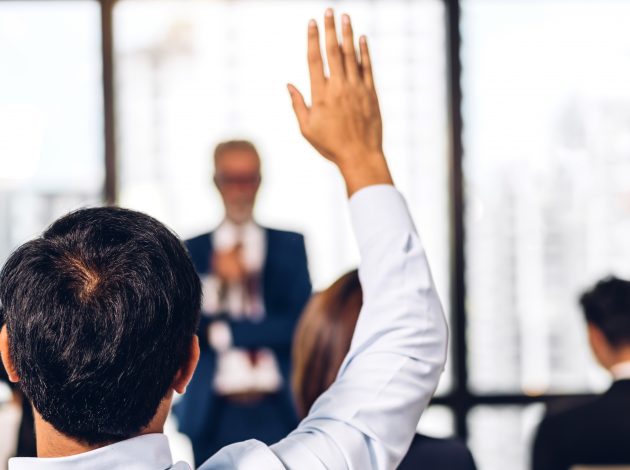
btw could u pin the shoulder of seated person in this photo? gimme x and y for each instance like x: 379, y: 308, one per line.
x: 578, y: 417
x: 286, y: 235
x: 562, y: 410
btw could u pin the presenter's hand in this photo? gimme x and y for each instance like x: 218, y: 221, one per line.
x: 344, y: 121
x: 227, y: 265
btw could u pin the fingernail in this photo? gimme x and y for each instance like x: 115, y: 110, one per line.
x: 345, y: 18
x: 312, y: 24
x: 329, y: 12
x: 363, y: 39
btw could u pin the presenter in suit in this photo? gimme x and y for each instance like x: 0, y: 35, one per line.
x: 255, y: 283
x: 595, y: 433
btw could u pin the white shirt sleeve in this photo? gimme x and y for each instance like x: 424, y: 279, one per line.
x: 368, y: 417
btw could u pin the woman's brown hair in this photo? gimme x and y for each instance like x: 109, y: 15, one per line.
x: 323, y: 337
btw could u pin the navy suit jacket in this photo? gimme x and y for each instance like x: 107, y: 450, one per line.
x: 286, y: 289
x: 428, y: 453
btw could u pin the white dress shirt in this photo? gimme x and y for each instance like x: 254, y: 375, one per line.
x: 236, y: 372
x: 367, y: 418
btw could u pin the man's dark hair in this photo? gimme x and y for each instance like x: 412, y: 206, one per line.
x: 607, y: 306
x: 100, y: 311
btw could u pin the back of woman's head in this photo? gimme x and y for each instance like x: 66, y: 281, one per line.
x: 323, y: 337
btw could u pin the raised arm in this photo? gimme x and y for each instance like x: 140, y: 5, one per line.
x: 368, y: 417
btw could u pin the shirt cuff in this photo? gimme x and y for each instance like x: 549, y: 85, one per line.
x: 377, y: 209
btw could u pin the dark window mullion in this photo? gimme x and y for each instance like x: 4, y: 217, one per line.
x: 461, y: 393
x: 109, y: 130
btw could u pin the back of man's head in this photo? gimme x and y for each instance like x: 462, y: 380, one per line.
x: 100, y: 313
x: 607, y: 307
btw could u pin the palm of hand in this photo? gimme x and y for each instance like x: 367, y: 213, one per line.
x: 344, y: 121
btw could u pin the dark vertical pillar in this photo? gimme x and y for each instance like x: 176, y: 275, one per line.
x: 461, y: 397
x: 109, y: 121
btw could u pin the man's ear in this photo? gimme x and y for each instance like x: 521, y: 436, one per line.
x: 6, y: 357
x: 186, y: 371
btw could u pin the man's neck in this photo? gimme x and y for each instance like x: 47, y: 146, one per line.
x: 238, y: 223
x: 52, y: 443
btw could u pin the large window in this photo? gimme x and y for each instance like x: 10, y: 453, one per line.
x: 51, y: 157
x: 547, y: 155
x: 192, y: 73
x: 546, y: 111
x: 539, y: 185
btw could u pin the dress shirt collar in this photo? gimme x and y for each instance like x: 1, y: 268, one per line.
x: 621, y: 370
x: 147, y: 452
x: 227, y: 234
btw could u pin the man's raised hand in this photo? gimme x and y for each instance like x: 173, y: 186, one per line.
x: 344, y: 121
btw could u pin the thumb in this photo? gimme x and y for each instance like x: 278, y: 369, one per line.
x: 299, y: 106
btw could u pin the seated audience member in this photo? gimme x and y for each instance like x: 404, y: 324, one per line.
x: 597, y: 432
x: 102, y: 310
x: 255, y: 284
x: 322, y: 340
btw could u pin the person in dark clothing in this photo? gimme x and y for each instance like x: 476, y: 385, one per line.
x: 255, y: 282
x: 596, y: 432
